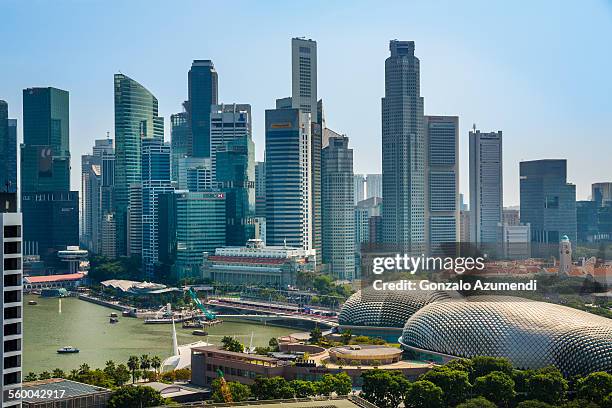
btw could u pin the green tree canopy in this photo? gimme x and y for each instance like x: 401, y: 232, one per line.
x: 271, y: 388
x: 423, y: 394
x: 239, y: 392
x: 136, y: 396
x: 483, y: 365
x: 231, y: 344
x: 595, y: 387
x: 534, y: 404
x: 495, y: 386
x: 383, y: 388
x: 454, y: 383
x: 478, y: 402
x: 546, y: 385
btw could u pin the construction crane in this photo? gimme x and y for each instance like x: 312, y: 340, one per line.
x: 207, y: 313
x: 224, y: 388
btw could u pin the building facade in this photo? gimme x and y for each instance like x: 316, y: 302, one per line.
x: 260, y: 189
x: 486, y: 185
x: 601, y: 193
x: 195, y: 174
x: 288, y: 179
x: 180, y: 137
x: 373, y: 185
x: 203, y: 92
x: 8, y: 150
x: 136, y: 117
x: 228, y: 122
x: 403, y: 150
x: 338, y: 209
x: 359, y: 183
x: 304, y: 76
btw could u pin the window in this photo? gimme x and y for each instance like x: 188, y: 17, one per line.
x: 551, y: 202
x: 12, y: 264
x: 12, y: 247
x: 12, y: 231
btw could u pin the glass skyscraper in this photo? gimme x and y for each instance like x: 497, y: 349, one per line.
x: 403, y: 150
x: 136, y: 118
x: 203, y: 92
x: 180, y: 136
x: 8, y: 151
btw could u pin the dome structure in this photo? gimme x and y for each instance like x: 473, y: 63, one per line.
x: 374, y: 308
x: 531, y: 334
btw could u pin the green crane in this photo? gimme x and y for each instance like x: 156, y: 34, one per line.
x: 207, y: 313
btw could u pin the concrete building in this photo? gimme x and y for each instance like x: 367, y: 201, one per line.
x: 486, y: 185
x: 203, y: 92
x: 514, y: 241
x: 108, y: 231
x: 228, y: 122
x: 367, y: 227
x: 359, y: 183
x: 373, y: 185
x: 464, y: 226
x: 548, y: 203
x: 442, y: 184
x: 601, y: 193
x: 304, y: 76
x: 12, y: 293
x: 257, y: 264
x: 403, y: 150
x: 511, y: 216
x: 288, y: 178
x: 260, y: 189
x: 338, y: 209
x: 8, y: 150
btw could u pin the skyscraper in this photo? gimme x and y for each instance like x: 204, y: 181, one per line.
x: 338, y: 209
x: 236, y: 178
x: 8, y: 151
x: 601, y: 193
x: 403, y: 150
x: 304, y: 76
x: 135, y: 119
x: 548, y: 202
x: 486, y: 185
x: 288, y: 178
x: 180, y: 137
x: 11, y: 297
x: 203, y: 92
x: 359, y: 183
x: 373, y: 185
x: 260, y: 189
x: 442, y: 185
x: 228, y: 122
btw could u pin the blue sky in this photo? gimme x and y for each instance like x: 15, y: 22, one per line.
x: 540, y: 71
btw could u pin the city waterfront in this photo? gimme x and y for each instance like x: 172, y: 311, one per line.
x: 86, y: 326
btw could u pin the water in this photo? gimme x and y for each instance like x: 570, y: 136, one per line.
x: 86, y: 326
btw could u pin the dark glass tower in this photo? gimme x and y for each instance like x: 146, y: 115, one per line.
x: 203, y: 93
x: 135, y: 118
x: 45, y: 153
x: 180, y: 136
x: 8, y: 151
x: 236, y: 177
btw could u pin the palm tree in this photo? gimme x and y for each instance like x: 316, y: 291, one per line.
x: 145, y: 364
x: 84, y: 368
x: 30, y: 377
x: 59, y: 373
x: 156, y: 364
x: 133, y: 365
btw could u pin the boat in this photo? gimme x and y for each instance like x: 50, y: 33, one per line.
x: 32, y: 302
x: 126, y: 313
x: 113, y: 314
x: 114, y: 320
x: 67, y: 350
x: 199, y: 333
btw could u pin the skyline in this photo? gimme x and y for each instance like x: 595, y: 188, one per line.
x: 555, y: 96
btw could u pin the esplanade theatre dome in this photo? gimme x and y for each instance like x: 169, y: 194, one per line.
x: 531, y: 334
x: 372, y: 308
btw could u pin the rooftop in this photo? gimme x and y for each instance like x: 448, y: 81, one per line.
x: 69, y: 388
x: 54, y: 278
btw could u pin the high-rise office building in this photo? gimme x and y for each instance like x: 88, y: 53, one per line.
x: 45, y: 152
x: 228, y: 122
x: 511, y: 216
x: 304, y: 76
x: 403, y: 150
x: 180, y: 137
x: 548, y: 203
x: 195, y: 174
x: 236, y: 178
x: 50, y: 210
x: 464, y: 226
x: 359, y: 183
x: 601, y: 193
x: 11, y: 297
x: 260, y: 189
x: 486, y: 185
x: 364, y: 211
x: 134, y: 220
x: 8, y: 151
x: 156, y: 158
x: 288, y: 178
x: 203, y: 93
x: 373, y: 185
x: 442, y: 186
x: 136, y: 118
x: 338, y: 209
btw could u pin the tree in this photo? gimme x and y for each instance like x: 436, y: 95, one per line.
x: 534, y: 404
x: 423, y: 394
x: 478, y: 402
x: 156, y: 363
x: 271, y: 388
x: 594, y: 387
x: 58, y: 373
x: 580, y: 403
x: 110, y: 368
x: 339, y: 383
x: 231, y: 344
x: 121, y: 375
x: 455, y: 384
x: 133, y: 365
x: 316, y: 335
x: 495, y: 386
x: 145, y: 362
x: 138, y: 396
x: 239, y: 392
x: 30, y: 377
x: 483, y: 365
x: 383, y: 388
x: 546, y: 385
x: 45, y: 375
x: 84, y: 368
x: 303, y: 389
x: 273, y: 343
x: 346, y: 336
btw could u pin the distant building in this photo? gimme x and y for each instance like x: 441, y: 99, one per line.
x: 593, y: 222
x: 602, y: 193
x: 359, y: 183
x: 134, y: 220
x: 304, y: 76
x: 68, y: 281
x: 548, y: 202
x: 108, y: 231
x: 288, y: 179
x: 257, y: 264
x: 12, y: 293
x: 228, y: 122
x: 180, y: 136
x: 442, y: 180
x: 486, y: 185
x: 195, y: 174
x: 514, y: 241
x: 203, y: 92
x: 373, y: 185
x: 511, y: 216
x: 367, y: 214
x: 338, y: 209
x: 8, y: 151
x: 260, y: 189
x: 464, y: 226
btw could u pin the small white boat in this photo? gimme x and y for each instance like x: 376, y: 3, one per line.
x: 68, y: 350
